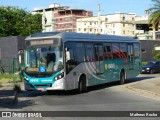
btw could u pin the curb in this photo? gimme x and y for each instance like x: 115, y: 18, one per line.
x: 143, y: 92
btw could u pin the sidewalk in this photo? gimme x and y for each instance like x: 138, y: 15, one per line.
x: 149, y: 87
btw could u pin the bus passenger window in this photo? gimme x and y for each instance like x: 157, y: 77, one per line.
x: 98, y: 52
x: 123, y: 50
x: 107, y: 51
x: 116, y: 51
x: 70, y: 56
x: 89, y: 52
x: 136, y: 50
x: 130, y: 51
x: 80, y: 52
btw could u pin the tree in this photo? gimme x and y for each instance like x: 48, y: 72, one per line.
x: 154, y: 17
x: 18, y: 22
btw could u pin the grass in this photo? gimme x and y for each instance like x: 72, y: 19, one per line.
x: 8, y: 78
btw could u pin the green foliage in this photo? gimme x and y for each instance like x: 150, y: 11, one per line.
x: 156, y: 53
x: 144, y: 63
x: 18, y: 22
x: 154, y: 17
x: 9, y: 78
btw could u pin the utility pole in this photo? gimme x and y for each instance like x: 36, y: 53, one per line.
x: 99, y: 19
x: 44, y: 21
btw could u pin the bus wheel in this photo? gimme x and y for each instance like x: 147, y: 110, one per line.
x: 49, y: 92
x: 82, y: 85
x: 122, y: 77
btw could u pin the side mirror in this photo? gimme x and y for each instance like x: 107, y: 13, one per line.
x: 68, y: 56
x: 21, y: 56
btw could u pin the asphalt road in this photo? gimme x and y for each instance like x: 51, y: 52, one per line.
x: 109, y: 97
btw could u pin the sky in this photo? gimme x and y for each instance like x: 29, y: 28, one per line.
x: 107, y: 6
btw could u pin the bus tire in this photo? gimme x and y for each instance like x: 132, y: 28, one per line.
x: 49, y: 92
x: 122, y: 77
x: 82, y: 85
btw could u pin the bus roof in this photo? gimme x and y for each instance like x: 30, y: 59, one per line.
x: 72, y: 36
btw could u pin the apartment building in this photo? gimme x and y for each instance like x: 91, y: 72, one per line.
x: 115, y: 24
x: 61, y: 18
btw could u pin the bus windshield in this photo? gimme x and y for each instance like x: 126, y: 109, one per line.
x: 50, y: 58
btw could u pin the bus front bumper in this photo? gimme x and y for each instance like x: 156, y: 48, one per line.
x: 57, y: 85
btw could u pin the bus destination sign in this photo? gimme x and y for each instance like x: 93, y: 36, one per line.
x: 41, y: 42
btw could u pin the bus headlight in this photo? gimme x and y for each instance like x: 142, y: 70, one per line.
x: 25, y: 78
x: 59, y: 76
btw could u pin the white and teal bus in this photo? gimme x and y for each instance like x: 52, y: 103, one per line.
x: 68, y: 61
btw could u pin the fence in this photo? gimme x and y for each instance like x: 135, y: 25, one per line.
x: 9, y: 65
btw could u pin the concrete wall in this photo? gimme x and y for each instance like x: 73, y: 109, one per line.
x: 148, y: 46
x: 9, y: 47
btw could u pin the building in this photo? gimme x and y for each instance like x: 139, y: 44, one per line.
x: 124, y: 24
x: 115, y: 24
x: 61, y: 18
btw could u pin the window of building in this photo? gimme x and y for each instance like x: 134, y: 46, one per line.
x: 124, y: 32
x: 123, y: 18
x: 123, y: 24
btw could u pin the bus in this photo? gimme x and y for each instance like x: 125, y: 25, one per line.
x: 68, y: 60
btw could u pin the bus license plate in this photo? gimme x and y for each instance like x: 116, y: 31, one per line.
x: 42, y: 89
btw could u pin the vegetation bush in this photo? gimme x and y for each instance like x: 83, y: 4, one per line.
x: 8, y: 78
x: 144, y: 63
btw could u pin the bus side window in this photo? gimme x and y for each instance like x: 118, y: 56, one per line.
x: 80, y: 52
x: 123, y: 50
x: 70, y: 56
x: 116, y: 51
x: 107, y: 51
x: 130, y: 51
x: 136, y: 50
x: 89, y: 52
x: 98, y: 52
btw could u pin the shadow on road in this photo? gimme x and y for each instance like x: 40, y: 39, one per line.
x: 11, y: 101
x: 5, y: 101
x: 131, y: 80
x: 8, y: 103
x: 89, y: 89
